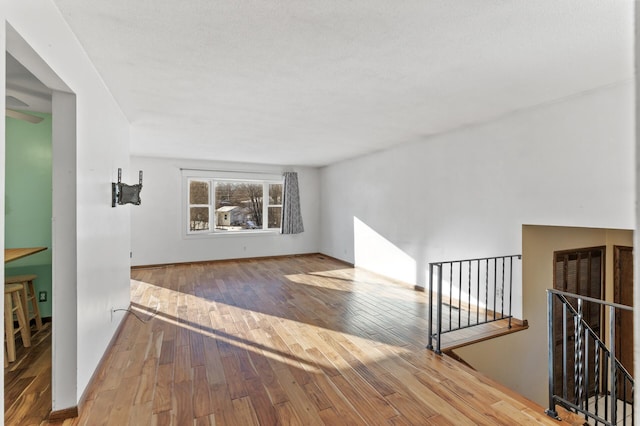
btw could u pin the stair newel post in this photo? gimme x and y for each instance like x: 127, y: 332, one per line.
x: 551, y: 411
x: 430, y: 345
x: 439, y: 310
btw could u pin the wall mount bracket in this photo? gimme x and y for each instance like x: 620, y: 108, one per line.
x: 121, y: 193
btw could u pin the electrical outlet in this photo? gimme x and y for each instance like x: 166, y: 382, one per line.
x: 42, y: 296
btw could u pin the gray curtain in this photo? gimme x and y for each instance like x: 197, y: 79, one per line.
x: 291, y: 216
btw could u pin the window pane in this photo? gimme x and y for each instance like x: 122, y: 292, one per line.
x: 198, y: 192
x: 275, y: 193
x: 199, y: 218
x: 238, y: 206
x: 275, y: 217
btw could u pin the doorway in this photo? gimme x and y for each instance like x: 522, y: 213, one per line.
x: 63, y: 222
x: 27, y: 223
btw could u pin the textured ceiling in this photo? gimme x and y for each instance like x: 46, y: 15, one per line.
x: 315, y: 82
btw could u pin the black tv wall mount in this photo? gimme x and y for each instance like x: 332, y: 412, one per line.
x: 121, y: 193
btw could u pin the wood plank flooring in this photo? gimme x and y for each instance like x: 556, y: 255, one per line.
x: 27, y: 392
x: 300, y: 341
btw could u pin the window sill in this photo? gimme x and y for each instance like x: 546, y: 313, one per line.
x: 252, y: 233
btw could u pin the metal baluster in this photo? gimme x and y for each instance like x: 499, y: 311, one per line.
x: 469, y: 301
x: 450, y: 292
x: 605, y: 382
x: 502, y: 292
x: 597, y: 375
x: 495, y: 286
x: 585, y: 402
x: 633, y: 405
x: 612, y: 349
x: 580, y: 359
x: 624, y: 396
x: 576, y: 351
x: 565, y: 391
x: 478, y: 295
x: 459, y: 294
x: 486, y: 290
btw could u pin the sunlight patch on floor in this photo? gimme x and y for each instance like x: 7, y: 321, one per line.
x: 164, y: 304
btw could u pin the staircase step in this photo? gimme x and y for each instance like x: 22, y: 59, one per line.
x: 480, y: 333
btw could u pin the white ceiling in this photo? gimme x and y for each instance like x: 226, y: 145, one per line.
x: 315, y: 82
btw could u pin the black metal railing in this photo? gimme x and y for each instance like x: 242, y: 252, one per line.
x: 584, y: 374
x: 469, y: 292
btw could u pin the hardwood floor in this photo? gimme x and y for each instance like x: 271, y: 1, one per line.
x: 301, y: 341
x: 27, y: 392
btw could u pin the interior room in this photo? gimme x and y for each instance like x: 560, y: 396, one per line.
x: 238, y: 209
x: 28, y: 182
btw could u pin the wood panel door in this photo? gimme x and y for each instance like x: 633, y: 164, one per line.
x: 623, y: 294
x: 578, y: 271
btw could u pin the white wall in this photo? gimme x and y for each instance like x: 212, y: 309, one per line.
x: 102, y: 234
x: 467, y: 193
x: 157, y: 234
x: 64, y: 233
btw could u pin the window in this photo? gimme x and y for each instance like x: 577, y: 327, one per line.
x: 224, y: 204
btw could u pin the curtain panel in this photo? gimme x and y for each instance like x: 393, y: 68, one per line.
x: 291, y: 215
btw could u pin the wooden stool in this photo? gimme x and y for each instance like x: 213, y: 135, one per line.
x: 13, y: 305
x: 28, y: 297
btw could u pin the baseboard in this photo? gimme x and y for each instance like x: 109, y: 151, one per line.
x: 350, y: 265
x: 62, y: 415
x: 240, y: 259
x: 98, y: 369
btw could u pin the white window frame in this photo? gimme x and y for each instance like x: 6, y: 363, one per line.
x: 212, y: 177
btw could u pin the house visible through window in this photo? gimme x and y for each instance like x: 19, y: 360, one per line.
x: 224, y: 205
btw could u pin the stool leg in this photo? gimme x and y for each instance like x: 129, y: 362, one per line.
x: 23, y: 299
x: 8, y: 328
x: 25, y: 331
x: 36, y: 307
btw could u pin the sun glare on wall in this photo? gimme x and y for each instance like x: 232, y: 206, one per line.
x: 377, y: 254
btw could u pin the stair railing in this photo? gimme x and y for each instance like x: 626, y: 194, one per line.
x: 592, y: 382
x: 471, y: 292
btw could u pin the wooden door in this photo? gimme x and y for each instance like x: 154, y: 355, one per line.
x: 579, y: 271
x: 623, y: 294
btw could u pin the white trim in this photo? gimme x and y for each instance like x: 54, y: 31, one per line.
x: 213, y: 176
x: 232, y: 175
